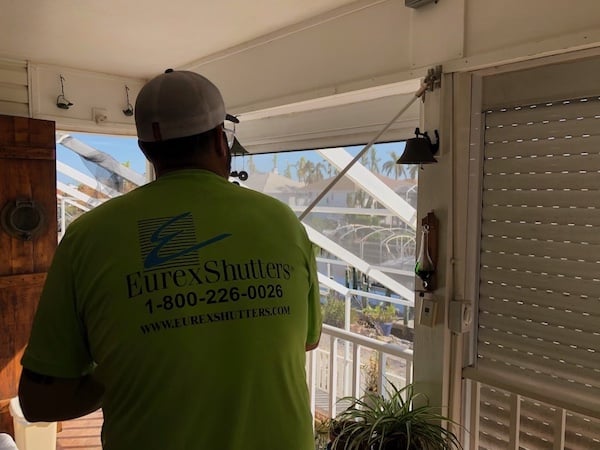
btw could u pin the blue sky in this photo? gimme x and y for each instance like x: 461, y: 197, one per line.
x: 122, y: 148
x: 125, y: 149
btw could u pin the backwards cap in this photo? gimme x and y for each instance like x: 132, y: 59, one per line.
x: 178, y: 104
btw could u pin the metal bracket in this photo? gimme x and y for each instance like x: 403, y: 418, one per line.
x: 433, y: 80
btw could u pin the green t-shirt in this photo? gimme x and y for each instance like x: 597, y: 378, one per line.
x: 193, y: 299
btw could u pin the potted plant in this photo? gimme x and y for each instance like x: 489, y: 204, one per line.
x: 381, y: 316
x: 392, y: 422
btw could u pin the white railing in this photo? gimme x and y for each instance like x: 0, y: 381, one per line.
x: 338, y: 368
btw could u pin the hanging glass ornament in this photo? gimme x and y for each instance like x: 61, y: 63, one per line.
x: 424, y: 268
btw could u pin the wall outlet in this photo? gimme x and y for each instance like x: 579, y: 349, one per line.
x: 427, y: 315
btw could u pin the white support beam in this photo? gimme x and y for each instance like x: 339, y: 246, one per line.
x: 332, y: 284
x: 92, y: 202
x: 104, y: 160
x: 87, y: 180
x: 346, y: 210
x: 340, y: 158
x: 354, y: 261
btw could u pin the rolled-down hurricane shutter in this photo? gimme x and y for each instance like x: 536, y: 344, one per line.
x: 539, y: 302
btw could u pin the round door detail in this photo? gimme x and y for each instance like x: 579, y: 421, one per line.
x: 22, y: 219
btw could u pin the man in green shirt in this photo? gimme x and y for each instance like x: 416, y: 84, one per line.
x: 183, y: 309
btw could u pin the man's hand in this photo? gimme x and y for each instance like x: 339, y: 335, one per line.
x: 51, y: 399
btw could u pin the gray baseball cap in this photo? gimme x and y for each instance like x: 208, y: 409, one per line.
x: 176, y: 104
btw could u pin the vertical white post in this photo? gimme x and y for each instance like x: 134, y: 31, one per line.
x: 381, y: 373
x: 312, y: 380
x: 347, y: 320
x: 408, y: 373
x: 333, y: 346
x: 515, y: 422
x: 355, y: 370
x: 560, y: 424
x: 63, y: 217
x: 475, y: 411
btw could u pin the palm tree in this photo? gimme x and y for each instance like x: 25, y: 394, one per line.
x: 410, y: 171
x: 287, y: 172
x: 370, y: 160
x: 329, y: 169
x: 391, y: 166
x: 317, y: 172
x: 301, y: 169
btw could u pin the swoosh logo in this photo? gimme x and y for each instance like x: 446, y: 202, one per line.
x: 154, y: 258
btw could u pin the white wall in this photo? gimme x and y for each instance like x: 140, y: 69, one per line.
x: 14, y: 95
x: 86, y: 90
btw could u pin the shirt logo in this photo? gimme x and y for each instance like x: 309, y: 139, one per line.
x: 171, y: 241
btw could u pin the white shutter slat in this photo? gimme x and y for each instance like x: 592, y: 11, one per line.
x: 547, y: 199
x: 576, y: 356
x: 551, y: 111
x: 539, y: 290
x: 544, y: 163
x: 583, y: 323
x: 492, y: 440
x: 575, y: 180
x: 532, y: 214
x: 544, y: 384
x: 559, y: 251
x: 577, y: 424
x: 543, y: 333
x: 567, y: 301
x: 544, y: 283
x: 542, y: 147
x: 546, y: 232
x: 542, y: 130
x: 573, y: 269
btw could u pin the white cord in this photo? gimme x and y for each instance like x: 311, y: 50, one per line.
x: 418, y: 93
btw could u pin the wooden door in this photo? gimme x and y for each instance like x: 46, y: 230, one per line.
x: 27, y: 189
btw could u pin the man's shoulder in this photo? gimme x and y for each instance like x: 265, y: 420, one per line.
x: 111, y: 209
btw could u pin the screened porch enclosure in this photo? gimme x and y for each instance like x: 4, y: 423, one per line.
x: 364, y: 228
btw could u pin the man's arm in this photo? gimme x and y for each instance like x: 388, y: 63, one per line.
x: 310, y: 347
x: 51, y: 399
x: 315, y: 321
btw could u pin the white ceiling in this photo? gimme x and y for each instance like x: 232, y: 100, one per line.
x: 304, y: 55
x: 140, y: 39
x: 298, y: 72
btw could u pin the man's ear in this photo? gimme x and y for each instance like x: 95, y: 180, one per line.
x: 220, y: 141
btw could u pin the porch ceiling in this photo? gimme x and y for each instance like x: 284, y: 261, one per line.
x: 128, y: 39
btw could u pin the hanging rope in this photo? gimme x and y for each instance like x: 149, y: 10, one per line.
x: 426, y: 84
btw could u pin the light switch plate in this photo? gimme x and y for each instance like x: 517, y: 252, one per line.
x: 427, y: 316
x: 460, y: 316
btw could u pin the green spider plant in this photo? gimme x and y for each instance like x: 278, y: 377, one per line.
x: 375, y: 422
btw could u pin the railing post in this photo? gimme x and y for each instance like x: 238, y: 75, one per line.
x: 355, y: 370
x: 312, y: 380
x: 333, y: 375
x: 347, y: 320
x: 381, y: 373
